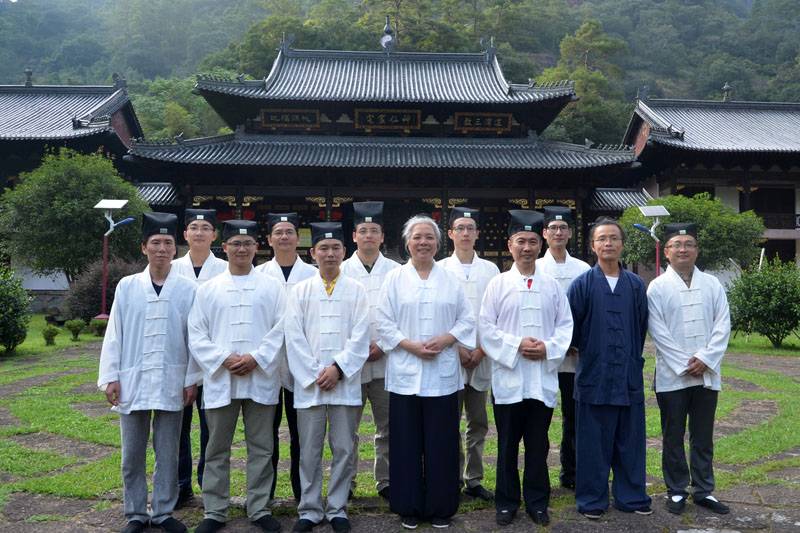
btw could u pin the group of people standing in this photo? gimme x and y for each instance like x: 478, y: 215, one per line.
x: 423, y: 342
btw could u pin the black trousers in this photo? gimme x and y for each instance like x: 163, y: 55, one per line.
x: 185, y: 445
x: 699, y: 405
x: 286, y: 401
x: 423, y: 455
x: 566, y: 383
x: 529, y: 421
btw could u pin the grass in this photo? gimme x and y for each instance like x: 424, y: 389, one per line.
x: 749, y: 456
x: 758, y: 344
x: 34, y: 342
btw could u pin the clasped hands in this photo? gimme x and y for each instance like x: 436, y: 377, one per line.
x: 532, y: 349
x: 695, y: 367
x: 430, y: 348
x: 240, y: 364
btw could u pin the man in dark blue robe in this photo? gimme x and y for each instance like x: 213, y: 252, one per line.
x: 609, y: 308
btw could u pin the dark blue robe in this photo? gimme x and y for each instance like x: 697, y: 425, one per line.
x: 609, y: 332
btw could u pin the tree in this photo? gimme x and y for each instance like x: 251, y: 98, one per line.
x: 767, y: 300
x: 14, y: 310
x: 722, y: 233
x: 48, y: 222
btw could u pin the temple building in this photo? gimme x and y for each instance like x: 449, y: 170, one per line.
x: 747, y: 154
x: 422, y: 132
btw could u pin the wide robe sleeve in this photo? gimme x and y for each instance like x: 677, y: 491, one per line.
x: 270, y: 346
x: 356, y: 348
x: 389, y: 334
x: 559, y: 343
x: 111, y: 352
x: 464, y: 328
x: 715, y: 348
x: 501, y: 346
x: 303, y: 365
x: 672, y: 353
x: 578, y: 304
x: 206, y: 352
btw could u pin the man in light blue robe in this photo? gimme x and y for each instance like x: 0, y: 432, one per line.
x: 609, y: 309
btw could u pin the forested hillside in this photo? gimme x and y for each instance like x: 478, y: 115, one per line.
x: 679, y: 48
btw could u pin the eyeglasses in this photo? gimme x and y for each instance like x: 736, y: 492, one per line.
x: 465, y: 229
x: 368, y: 231
x: 682, y: 246
x: 200, y: 228
x: 556, y: 229
x: 613, y: 239
x: 241, y: 244
x: 280, y: 233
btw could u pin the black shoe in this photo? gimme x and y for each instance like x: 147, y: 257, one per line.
x: 540, y: 517
x: 504, y: 517
x: 441, y: 523
x: 171, y: 525
x: 594, y: 515
x: 644, y: 511
x: 384, y: 493
x: 209, y: 525
x: 134, y: 526
x: 268, y: 523
x: 350, y: 495
x: 409, y: 522
x: 184, y: 497
x: 478, y: 491
x: 304, y: 525
x: 340, y: 524
x: 676, y: 506
x: 713, y: 505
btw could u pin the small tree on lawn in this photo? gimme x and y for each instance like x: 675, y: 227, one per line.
x: 767, y: 301
x: 48, y: 223
x: 722, y: 232
x: 14, y: 310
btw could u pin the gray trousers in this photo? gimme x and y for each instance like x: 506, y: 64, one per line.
x: 258, y: 420
x: 700, y: 405
x: 473, y: 402
x: 135, y: 431
x: 312, y: 422
x: 375, y: 391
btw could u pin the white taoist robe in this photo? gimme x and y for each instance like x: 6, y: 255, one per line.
x: 238, y: 318
x: 481, y: 272
x: 688, y: 322
x: 417, y: 309
x: 321, y: 330
x: 563, y: 273
x: 144, y: 347
x: 372, y: 282
x: 212, y: 266
x: 300, y: 271
x: 510, y: 311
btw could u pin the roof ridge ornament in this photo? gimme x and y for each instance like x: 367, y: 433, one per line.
x: 387, y: 39
x: 643, y: 93
x: 286, y: 42
x: 119, y: 81
x: 488, y: 48
x: 28, y: 77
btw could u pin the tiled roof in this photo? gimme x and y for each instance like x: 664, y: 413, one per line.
x: 381, y: 152
x: 720, y: 126
x: 158, y: 194
x: 605, y: 199
x: 44, y: 112
x: 314, y: 75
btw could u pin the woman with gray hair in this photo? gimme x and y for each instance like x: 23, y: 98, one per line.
x: 423, y: 313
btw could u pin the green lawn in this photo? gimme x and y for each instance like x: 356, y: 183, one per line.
x: 51, y: 406
x: 758, y: 344
x: 34, y: 342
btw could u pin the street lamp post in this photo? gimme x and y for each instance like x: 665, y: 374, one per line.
x: 654, y: 212
x: 108, y: 206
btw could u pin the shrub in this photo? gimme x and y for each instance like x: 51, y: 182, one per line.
x: 767, y: 301
x: 49, y: 333
x: 75, y: 326
x: 98, y: 325
x: 14, y: 310
x: 83, y: 300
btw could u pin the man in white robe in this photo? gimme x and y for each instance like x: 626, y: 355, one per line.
x: 369, y: 266
x: 200, y: 265
x: 690, y: 325
x: 559, y: 264
x: 288, y: 269
x: 327, y: 344
x: 473, y: 273
x: 526, y: 329
x: 145, y: 373
x: 235, y: 335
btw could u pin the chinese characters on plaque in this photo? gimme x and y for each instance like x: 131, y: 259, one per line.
x: 290, y: 118
x: 498, y: 122
x: 388, y: 119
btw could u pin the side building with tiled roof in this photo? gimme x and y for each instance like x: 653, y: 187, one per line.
x: 87, y: 118
x: 745, y: 153
x: 422, y: 132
